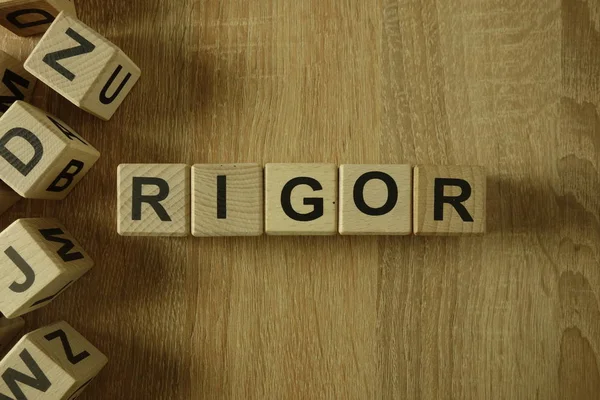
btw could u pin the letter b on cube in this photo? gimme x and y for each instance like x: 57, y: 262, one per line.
x: 39, y: 259
x: 40, y: 156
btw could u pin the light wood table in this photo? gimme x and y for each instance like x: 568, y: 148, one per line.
x: 510, y: 85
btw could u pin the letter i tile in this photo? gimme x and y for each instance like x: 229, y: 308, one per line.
x: 153, y: 199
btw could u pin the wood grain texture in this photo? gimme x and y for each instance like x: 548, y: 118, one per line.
x: 32, y: 17
x: 9, y: 329
x: 96, y: 76
x: 232, y: 207
x: 42, y: 156
x: 8, y: 197
x: 17, y: 84
x: 311, y: 206
x: 60, y: 359
x: 463, y: 208
x: 511, y: 86
x: 386, y: 196
x: 39, y: 260
x: 163, y: 210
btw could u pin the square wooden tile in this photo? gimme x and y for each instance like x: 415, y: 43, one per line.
x: 375, y: 199
x: 153, y: 199
x: 227, y: 200
x: 449, y: 200
x: 301, y: 199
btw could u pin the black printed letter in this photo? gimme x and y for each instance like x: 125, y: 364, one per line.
x: 73, y: 358
x: 67, y: 175
x: 70, y: 135
x: 316, y: 202
x: 154, y: 201
x: 38, y: 150
x: 25, y: 269
x: 221, y: 197
x: 359, y: 196
x: 13, y: 18
x: 439, y: 199
x: 11, y: 80
x: 51, y: 235
x: 12, y: 377
x: 84, y: 47
x: 104, y: 99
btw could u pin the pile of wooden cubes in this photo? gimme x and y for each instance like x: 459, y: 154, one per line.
x: 41, y: 157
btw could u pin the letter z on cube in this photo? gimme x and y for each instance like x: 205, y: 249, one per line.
x: 40, y: 156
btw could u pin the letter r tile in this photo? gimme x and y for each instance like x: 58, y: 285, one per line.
x: 449, y: 200
x: 153, y: 199
x: 301, y: 199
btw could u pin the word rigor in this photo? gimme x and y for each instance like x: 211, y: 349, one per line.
x: 299, y: 199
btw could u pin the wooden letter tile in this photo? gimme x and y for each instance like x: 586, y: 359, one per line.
x: 375, y: 199
x: 83, y: 66
x: 227, y: 200
x: 301, y: 199
x: 39, y: 259
x: 32, y: 17
x: 9, y: 328
x: 41, y: 157
x: 58, y: 362
x: 17, y: 84
x: 153, y: 200
x: 449, y: 200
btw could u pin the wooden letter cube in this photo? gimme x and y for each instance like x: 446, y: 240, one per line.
x: 41, y: 157
x: 449, y: 200
x: 83, y: 66
x: 153, y: 200
x: 8, y: 197
x: 227, y: 200
x: 301, y: 199
x: 17, y: 84
x: 39, y: 259
x: 51, y: 363
x: 375, y: 199
x: 32, y: 17
x: 9, y: 328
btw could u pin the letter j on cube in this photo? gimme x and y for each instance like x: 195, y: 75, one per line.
x: 39, y: 260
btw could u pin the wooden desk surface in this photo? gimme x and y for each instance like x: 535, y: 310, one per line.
x: 510, y: 85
